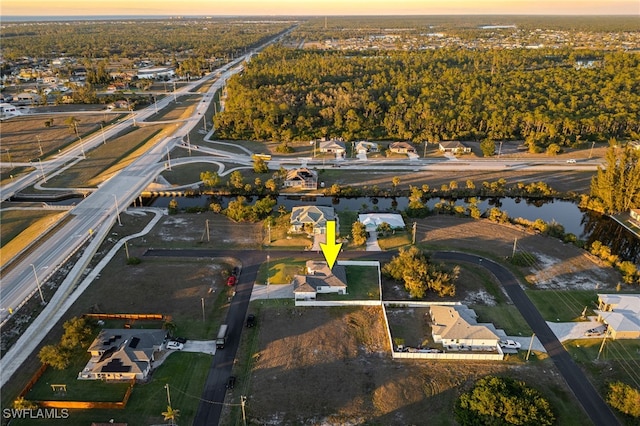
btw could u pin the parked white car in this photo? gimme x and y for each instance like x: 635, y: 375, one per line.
x: 175, y: 346
x: 509, y: 344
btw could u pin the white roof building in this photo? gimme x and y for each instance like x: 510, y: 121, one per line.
x: 372, y: 220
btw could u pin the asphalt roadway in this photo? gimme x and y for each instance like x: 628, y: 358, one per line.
x: 593, y: 405
x: 214, y: 391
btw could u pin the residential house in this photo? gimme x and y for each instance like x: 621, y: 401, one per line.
x: 454, y: 147
x: 402, y: 148
x: 332, y: 146
x: 456, y: 328
x: 314, y: 217
x: 123, y: 354
x: 635, y: 215
x: 621, y: 312
x: 364, y: 147
x: 319, y: 279
x: 371, y: 221
x: 301, y: 178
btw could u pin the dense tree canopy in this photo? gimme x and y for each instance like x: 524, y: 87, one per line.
x: 624, y: 398
x: 533, y: 95
x: 616, y: 186
x: 503, y: 401
x: 419, y: 275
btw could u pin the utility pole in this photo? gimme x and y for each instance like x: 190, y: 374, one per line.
x: 591, y: 151
x: 39, y: 145
x: 424, y: 155
x: 126, y: 250
x: 104, y: 139
x: 204, y: 121
x: 515, y: 243
x: 269, y: 231
x: 168, y: 395
x: 42, y: 170
x: 38, y: 284
x: 604, y: 339
x: 243, y: 400
x: 206, y: 223
x: 189, y: 143
x: 530, y: 345
x: 202, y: 300
x: 267, y: 277
x: 117, y: 209
x: 9, y: 155
x: 414, y: 228
x: 168, y: 160
x: 82, y: 149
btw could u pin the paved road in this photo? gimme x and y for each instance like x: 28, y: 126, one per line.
x: 595, y: 407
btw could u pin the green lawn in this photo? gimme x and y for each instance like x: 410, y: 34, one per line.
x: 563, y: 305
x: 506, y: 317
x: 362, y: 284
x: 346, y: 220
x: 393, y: 241
x: 280, y: 271
x: 149, y: 400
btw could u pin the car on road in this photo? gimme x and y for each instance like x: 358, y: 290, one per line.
x: 175, y: 346
x: 571, y: 161
x: 231, y: 281
x: 509, y: 344
x: 251, y: 320
x: 231, y: 382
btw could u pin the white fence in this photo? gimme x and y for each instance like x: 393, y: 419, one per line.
x: 447, y: 355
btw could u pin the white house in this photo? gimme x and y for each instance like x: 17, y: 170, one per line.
x: 455, y: 147
x: 456, y: 328
x: 122, y: 354
x: 372, y: 220
x: 319, y: 279
x: 333, y: 146
x: 621, y: 312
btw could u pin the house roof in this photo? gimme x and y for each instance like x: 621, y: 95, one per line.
x: 301, y: 174
x: 625, y: 311
x: 401, y: 145
x: 372, y: 220
x: 452, y: 145
x: 333, y: 144
x: 125, y: 350
x: 458, y: 322
x: 319, y: 275
x: 365, y: 145
x: 315, y: 215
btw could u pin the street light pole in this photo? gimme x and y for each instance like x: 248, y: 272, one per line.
x: 38, y: 283
x: 39, y: 145
x: 42, y: 170
x: 117, y: 209
x: 104, y: 139
x: 202, y: 299
x: 267, y: 277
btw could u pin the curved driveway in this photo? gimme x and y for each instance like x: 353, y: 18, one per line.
x: 595, y: 407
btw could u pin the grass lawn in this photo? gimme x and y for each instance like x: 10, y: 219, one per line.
x: 149, y: 400
x: 280, y: 271
x: 362, y: 284
x: 346, y: 219
x: 506, y: 317
x: 77, y: 390
x: 393, y: 241
x: 564, y: 305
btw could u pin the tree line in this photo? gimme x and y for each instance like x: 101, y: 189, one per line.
x: 538, y: 96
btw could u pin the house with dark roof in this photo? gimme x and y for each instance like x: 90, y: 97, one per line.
x: 312, y: 219
x: 454, y: 147
x: 319, y: 279
x: 123, y: 354
x: 302, y: 178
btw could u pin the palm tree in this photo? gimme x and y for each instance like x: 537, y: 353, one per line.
x: 170, y: 326
x: 171, y: 414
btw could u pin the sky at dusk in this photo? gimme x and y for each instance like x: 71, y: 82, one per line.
x: 316, y: 7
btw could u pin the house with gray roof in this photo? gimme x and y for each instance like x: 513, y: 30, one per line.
x: 312, y: 219
x: 302, y: 178
x: 123, y: 354
x: 319, y: 279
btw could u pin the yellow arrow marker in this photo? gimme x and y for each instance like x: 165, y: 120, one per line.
x: 331, y: 249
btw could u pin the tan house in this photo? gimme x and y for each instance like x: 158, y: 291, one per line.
x: 402, y: 148
x: 123, y: 354
x: 332, y: 146
x: 456, y: 328
x: 621, y: 312
x: 302, y: 178
x: 635, y: 215
x: 364, y: 147
x: 319, y: 279
x: 312, y: 218
x: 454, y: 147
